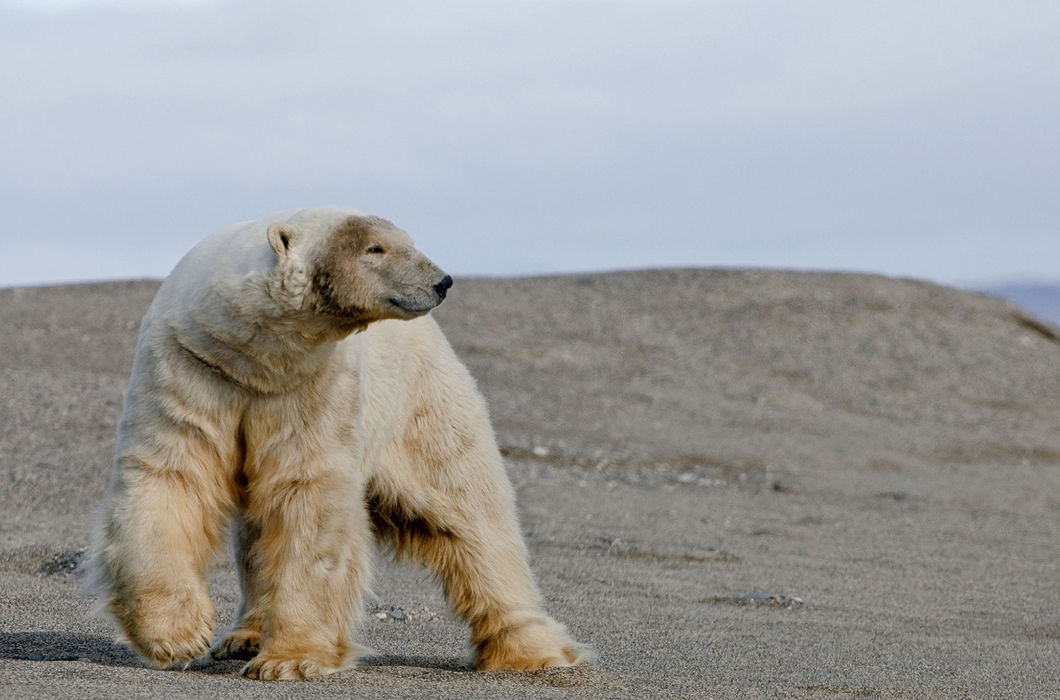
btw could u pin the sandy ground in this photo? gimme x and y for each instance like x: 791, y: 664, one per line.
x: 732, y: 483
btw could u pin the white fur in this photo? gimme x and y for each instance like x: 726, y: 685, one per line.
x: 251, y: 401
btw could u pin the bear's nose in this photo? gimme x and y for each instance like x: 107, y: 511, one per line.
x: 442, y: 287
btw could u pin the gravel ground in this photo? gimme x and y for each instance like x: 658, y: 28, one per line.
x: 733, y: 483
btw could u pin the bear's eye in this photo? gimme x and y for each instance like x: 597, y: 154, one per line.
x: 376, y: 249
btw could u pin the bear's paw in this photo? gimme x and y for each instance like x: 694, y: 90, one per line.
x: 534, y: 644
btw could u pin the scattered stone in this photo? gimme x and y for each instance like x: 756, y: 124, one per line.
x: 715, y: 554
x: 769, y: 600
x: 387, y: 612
x: 758, y: 599
x: 627, y: 550
x: 540, y: 451
x: 64, y: 563
x: 780, y: 486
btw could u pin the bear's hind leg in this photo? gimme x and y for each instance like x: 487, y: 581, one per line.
x: 469, y: 539
x: 244, y: 639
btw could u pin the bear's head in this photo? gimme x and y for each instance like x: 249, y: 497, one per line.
x: 354, y: 269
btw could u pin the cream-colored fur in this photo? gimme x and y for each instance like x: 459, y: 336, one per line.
x: 288, y: 380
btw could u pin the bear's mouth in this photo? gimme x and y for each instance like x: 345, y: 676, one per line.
x: 410, y: 307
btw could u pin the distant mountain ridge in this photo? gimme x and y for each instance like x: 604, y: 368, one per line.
x: 1042, y: 300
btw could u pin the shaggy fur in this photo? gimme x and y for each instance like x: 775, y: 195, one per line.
x: 287, y: 380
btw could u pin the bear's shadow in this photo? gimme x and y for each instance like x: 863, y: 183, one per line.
x: 46, y: 645
x: 439, y: 663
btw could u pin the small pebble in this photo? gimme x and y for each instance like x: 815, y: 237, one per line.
x: 769, y: 600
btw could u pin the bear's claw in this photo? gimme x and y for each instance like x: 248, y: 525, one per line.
x: 238, y: 644
x: 182, y: 653
x: 267, y: 668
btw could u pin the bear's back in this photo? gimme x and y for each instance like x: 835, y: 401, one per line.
x: 229, y: 255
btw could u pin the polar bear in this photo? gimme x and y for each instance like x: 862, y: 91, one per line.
x: 288, y: 379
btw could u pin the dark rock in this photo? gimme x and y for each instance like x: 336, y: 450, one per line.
x: 769, y: 600
x: 65, y: 563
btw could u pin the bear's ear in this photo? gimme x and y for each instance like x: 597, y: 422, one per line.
x: 281, y: 238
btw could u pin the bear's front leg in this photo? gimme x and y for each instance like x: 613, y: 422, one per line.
x: 308, y: 562
x: 162, y: 525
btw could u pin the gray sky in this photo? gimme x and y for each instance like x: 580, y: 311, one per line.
x: 910, y: 138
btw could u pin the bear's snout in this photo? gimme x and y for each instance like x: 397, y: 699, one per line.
x: 442, y: 288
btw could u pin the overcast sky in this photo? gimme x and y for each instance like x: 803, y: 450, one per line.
x: 905, y: 137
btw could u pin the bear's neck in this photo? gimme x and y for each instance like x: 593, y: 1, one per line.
x: 271, y: 354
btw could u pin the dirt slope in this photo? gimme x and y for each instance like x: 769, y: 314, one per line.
x: 733, y: 483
